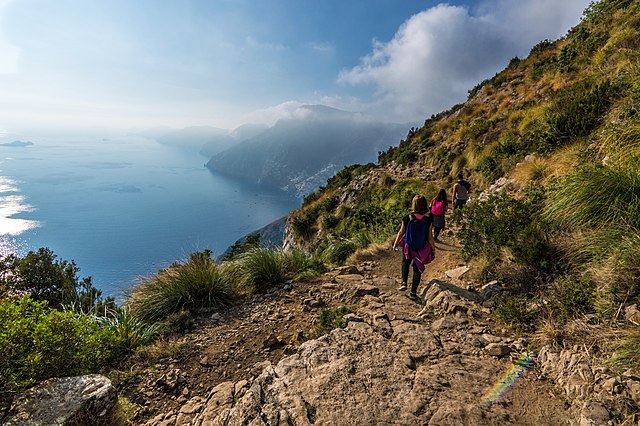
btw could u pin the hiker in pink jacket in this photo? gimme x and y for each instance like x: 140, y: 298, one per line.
x: 416, y: 237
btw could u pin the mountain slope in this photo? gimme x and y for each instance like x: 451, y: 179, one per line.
x: 552, y: 141
x: 299, y: 154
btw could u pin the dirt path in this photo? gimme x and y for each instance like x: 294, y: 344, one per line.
x: 431, y: 370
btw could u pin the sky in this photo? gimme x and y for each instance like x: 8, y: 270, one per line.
x: 114, y: 65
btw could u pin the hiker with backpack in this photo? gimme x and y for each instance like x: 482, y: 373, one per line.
x: 416, y: 237
x: 461, y: 191
x: 438, y: 206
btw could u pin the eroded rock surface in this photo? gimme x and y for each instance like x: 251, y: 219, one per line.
x: 82, y: 400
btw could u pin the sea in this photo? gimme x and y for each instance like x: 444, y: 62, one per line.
x: 123, y: 208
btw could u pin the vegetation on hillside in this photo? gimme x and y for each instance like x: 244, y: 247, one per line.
x: 563, y: 125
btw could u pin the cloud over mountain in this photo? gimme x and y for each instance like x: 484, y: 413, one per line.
x: 440, y: 53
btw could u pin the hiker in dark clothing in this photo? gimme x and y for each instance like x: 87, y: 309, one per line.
x: 416, y: 237
x: 438, y: 206
x: 461, y: 191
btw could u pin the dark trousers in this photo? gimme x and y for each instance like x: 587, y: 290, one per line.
x: 436, y: 232
x: 458, y: 204
x: 405, y: 274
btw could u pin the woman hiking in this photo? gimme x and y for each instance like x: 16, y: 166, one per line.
x: 416, y: 237
x: 438, y: 206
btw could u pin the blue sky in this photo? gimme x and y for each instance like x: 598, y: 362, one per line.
x: 132, y: 64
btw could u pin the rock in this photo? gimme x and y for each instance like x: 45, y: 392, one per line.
x: 216, y: 316
x: 457, y: 273
x: 632, y: 314
x: 352, y: 318
x: 497, y: 350
x: 478, y: 342
x: 188, y: 411
x: 312, y: 303
x: 219, y: 401
x: 594, y: 413
x: 363, y: 290
x: 350, y: 278
x: 329, y: 286
x: 443, y: 323
x: 490, y: 293
x: 68, y: 400
x: 348, y: 270
x: 272, y: 342
x: 204, y: 361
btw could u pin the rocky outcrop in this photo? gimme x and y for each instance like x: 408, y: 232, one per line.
x: 596, y: 393
x: 83, y: 400
x: 386, y: 367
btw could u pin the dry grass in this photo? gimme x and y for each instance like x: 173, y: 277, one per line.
x: 580, y: 331
x: 159, y: 349
x: 542, y: 169
x: 532, y: 169
x: 371, y: 252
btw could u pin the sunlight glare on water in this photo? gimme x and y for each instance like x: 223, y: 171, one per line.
x: 10, y: 226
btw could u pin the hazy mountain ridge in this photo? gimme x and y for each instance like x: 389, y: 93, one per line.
x: 299, y: 154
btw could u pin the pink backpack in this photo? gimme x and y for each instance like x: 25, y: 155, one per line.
x: 437, y: 207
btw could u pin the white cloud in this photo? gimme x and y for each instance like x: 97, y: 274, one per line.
x: 323, y: 48
x: 440, y: 53
x: 270, y: 115
x: 9, y: 54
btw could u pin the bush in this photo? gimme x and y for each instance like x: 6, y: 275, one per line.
x: 330, y: 319
x: 129, y: 330
x: 42, y: 275
x: 503, y: 221
x: 570, y: 297
x: 303, y: 224
x: 576, y: 112
x: 262, y: 268
x: 198, y: 283
x: 515, y: 310
x: 38, y: 343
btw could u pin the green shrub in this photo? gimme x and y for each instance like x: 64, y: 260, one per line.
x: 626, y: 351
x: 299, y: 263
x: 38, y: 343
x: 241, y: 246
x: 576, y: 111
x: 130, y: 330
x: 330, y: 319
x: 336, y: 252
x: 303, y: 225
x: 42, y: 275
x: 569, y: 297
x: 262, y: 268
x: 515, y: 310
x: 503, y: 221
x: 198, y: 283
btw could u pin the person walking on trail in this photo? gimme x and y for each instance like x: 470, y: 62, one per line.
x: 438, y: 206
x: 461, y: 191
x: 416, y: 238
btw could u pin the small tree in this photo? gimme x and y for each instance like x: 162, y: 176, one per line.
x: 44, y: 277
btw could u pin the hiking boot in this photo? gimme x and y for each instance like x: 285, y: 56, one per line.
x: 403, y: 287
x: 414, y: 297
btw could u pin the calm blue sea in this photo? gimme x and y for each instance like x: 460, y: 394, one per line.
x: 123, y: 208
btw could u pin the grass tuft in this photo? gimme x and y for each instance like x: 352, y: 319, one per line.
x: 198, y: 283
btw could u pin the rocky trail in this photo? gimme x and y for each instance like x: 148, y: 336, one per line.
x: 396, y: 362
x: 274, y: 359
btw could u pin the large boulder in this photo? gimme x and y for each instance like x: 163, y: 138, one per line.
x: 82, y: 400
